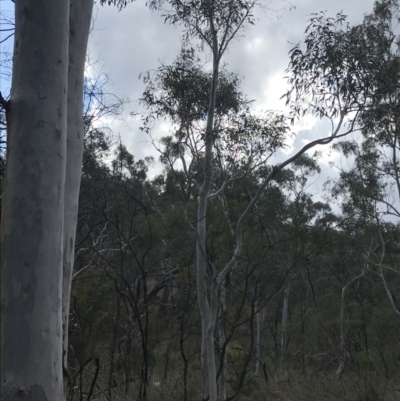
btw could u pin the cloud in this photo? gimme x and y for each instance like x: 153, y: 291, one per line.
x: 136, y: 40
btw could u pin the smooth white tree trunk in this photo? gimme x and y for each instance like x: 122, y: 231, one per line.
x: 40, y: 201
x: 33, y: 204
x: 342, y: 358
x: 208, y: 312
x: 80, y: 19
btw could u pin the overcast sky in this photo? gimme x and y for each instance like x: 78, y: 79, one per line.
x: 134, y: 40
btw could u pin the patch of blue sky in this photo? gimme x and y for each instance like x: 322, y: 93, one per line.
x: 6, y: 44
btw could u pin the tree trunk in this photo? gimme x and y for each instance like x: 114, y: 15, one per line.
x: 212, y: 371
x: 201, y: 258
x: 44, y: 161
x: 285, y: 310
x: 222, y: 346
x: 33, y: 204
x: 258, y: 336
x: 80, y: 19
x: 342, y: 358
x: 113, y: 350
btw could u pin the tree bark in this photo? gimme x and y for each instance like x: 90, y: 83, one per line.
x: 80, y: 19
x: 258, y: 335
x: 207, y: 340
x: 212, y: 371
x: 222, y: 346
x: 285, y: 311
x: 342, y: 357
x: 44, y: 162
x: 33, y: 204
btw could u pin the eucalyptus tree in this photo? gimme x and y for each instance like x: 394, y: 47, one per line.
x: 370, y: 189
x: 240, y: 143
x: 315, y: 88
x: 215, y: 24
x: 216, y: 146
x: 41, y: 186
x: 373, y: 47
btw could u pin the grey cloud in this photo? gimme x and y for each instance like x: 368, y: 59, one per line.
x: 134, y: 40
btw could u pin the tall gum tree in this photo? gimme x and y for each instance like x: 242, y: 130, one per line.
x: 80, y: 19
x: 215, y: 24
x: 33, y: 204
x: 44, y: 153
x: 242, y: 141
x: 316, y: 87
